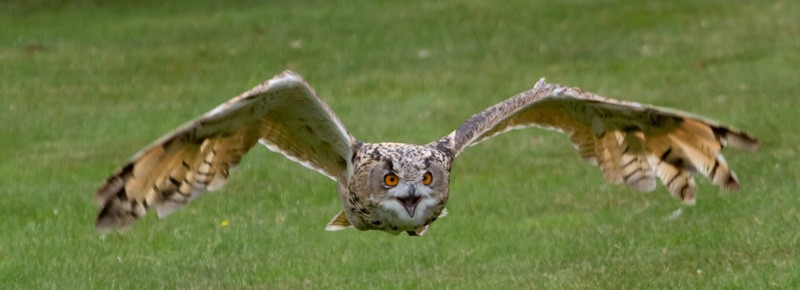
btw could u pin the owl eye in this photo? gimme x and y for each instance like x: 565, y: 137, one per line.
x: 391, y: 179
x: 427, y: 178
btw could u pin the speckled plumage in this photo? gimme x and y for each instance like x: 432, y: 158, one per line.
x: 397, y: 187
x: 361, y: 198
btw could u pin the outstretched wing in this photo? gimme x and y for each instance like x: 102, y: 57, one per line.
x: 283, y: 113
x: 630, y: 142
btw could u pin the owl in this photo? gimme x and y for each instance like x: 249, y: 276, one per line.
x: 396, y: 187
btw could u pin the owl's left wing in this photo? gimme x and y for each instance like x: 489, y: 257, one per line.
x: 630, y: 142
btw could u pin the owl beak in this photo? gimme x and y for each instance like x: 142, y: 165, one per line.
x: 410, y: 201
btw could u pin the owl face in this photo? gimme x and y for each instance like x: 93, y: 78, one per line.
x: 397, y: 187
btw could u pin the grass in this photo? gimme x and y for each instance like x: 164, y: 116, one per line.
x: 85, y: 84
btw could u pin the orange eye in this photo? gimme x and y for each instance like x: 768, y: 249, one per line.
x: 391, y: 179
x: 427, y: 178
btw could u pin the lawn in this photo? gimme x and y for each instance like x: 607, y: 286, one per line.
x: 85, y: 84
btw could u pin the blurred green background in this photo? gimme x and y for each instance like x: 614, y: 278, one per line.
x: 85, y: 84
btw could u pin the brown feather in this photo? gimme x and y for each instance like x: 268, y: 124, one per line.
x: 609, y: 156
x: 584, y: 142
x: 200, y: 155
x: 630, y: 142
x: 635, y: 169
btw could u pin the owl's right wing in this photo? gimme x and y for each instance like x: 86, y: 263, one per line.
x: 630, y: 142
x: 284, y: 114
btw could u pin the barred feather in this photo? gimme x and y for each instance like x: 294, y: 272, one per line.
x: 678, y: 181
x: 168, y: 176
x: 609, y: 156
x: 636, y: 170
x: 199, y: 156
x: 630, y: 142
x: 583, y: 140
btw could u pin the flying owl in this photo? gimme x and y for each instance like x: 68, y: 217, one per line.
x: 395, y: 187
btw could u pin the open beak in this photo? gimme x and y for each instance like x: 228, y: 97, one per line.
x: 410, y: 202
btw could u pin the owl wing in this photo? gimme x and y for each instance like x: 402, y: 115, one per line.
x: 283, y: 114
x: 630, y: 142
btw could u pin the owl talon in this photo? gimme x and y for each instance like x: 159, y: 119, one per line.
x: 421, y: 231
x: 418, y: 232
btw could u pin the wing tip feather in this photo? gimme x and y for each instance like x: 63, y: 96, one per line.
x: 113, y: 185
x: 735, y: 138
x: 744, y: 141
x: 107, y: 221
x: 732, y: 184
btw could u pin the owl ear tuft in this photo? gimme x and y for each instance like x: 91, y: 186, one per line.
x: 338, y: 223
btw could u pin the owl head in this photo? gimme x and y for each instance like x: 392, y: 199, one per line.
x: 396, y: 187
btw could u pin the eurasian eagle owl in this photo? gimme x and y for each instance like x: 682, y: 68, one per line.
x: 397, y: 187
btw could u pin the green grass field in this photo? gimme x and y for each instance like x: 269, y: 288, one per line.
x: 85, y: 85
